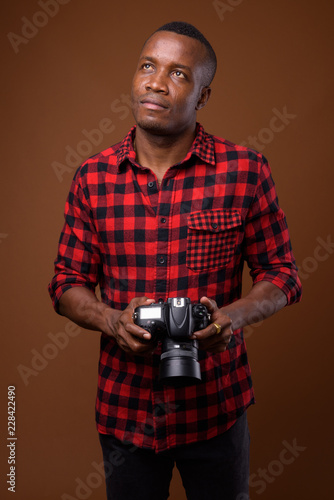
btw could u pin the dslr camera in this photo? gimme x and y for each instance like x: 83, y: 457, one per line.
x: 173, y: 323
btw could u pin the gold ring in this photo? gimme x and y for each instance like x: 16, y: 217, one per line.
x: 218, y: 328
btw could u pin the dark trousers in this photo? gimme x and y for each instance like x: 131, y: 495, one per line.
x: 217, y: 469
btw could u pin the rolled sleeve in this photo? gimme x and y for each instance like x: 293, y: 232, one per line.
x: 268, y: 250
x: 78, y: 261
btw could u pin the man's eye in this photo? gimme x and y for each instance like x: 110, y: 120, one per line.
x: 147, y: 66
x: 179, y: 74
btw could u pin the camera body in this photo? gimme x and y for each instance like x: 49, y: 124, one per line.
x: 173, y: 322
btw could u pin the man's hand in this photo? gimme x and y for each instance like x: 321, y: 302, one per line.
x: 82, y: 306
x: 263, y: 300
x: 215, y: 337
x: 130, y: 337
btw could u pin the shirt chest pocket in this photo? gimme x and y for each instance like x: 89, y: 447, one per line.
x: 212, y: 238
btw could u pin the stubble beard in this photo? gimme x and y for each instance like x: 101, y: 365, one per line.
x: 152, y: 126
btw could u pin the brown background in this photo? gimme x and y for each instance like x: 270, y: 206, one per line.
x: 272, y: 54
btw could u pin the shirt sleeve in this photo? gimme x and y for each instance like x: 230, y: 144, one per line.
x: 268, y: 249
x: 78, y: 261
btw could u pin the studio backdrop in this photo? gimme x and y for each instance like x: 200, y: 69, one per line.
x: 67, y: 67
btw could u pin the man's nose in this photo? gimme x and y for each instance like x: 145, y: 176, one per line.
x: 157, y: 82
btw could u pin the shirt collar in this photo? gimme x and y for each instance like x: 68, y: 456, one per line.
x: 202, y: 147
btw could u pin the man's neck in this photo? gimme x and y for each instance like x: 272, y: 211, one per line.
x: 158, y: 152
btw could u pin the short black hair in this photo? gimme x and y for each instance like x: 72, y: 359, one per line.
x: 186, y: 29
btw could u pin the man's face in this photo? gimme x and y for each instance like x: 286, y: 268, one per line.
x: 167, y: 86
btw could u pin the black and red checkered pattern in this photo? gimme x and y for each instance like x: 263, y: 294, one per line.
x: 211, y: 238
x: 189, y: 237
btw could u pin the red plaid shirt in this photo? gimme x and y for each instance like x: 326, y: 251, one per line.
x: 188, y: 238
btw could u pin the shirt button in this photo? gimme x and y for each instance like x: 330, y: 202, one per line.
x: 150, y: 184
x: 161, y: 260
x: 163, y: 220
x: 214, y: 225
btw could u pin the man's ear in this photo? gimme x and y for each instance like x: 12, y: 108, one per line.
x: 205, y: 94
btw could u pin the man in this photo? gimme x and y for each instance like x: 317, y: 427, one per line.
x: 172, y: 211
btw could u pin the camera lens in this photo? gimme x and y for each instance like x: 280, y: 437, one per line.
x: 179, y: 364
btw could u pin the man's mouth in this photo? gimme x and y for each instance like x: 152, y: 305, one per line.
x: 153, y: 103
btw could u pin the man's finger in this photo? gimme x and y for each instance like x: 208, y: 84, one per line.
x: 214, y: 328
x: 216, y: 343
x: 137, y: 331
x: 140, y: 301
x: 209, y: 303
